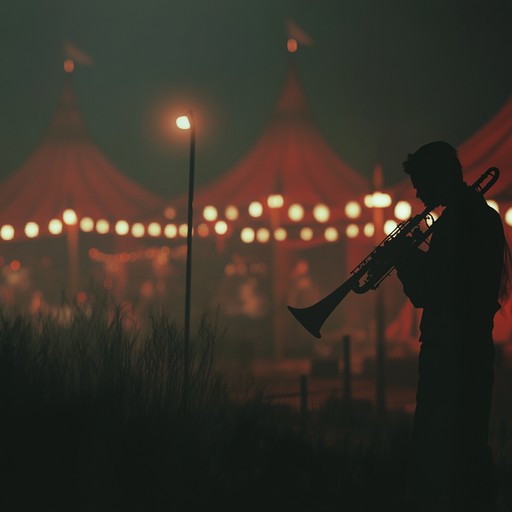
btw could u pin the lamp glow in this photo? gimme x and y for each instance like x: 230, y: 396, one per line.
x: 86, y: 224
x: 203, y: 230
x: 138, y: 230
x: 169, y: 213
x: 210, y: 213
x: 321, y: 213
x: 275, y: 201
x: 352, y: 230
x: 331, y: 234
x: 508, y: 217
x: 369, y: 229
x: 154, y: 229
x: 263, y: 235
x: 389, y: 226
x: 403, y: 210
x: 102, y: 226
x: 247, y: 235
x: 122, y: 227
x: 255, y: 209
x: 183, y: 123
x: 6, y: 232
x: 352, y: 209
x: 231, y: 212
x: 55, y: 226
x: 280, y: 234
x: 183, y: 230
x: 31, y: 229
x: 170, y: 231
x: 69, y: 217
x: 221, y: 228
x: 296, y: 212
x: 306, y: 234
x: 377, y: 200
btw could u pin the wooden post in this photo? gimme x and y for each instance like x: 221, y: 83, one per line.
x: 73, y: 259
x: 347, y: 369
x: 304, y: 397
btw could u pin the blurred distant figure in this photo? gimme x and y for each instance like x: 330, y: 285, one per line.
x: 303, y: 290
x: 459, y: 282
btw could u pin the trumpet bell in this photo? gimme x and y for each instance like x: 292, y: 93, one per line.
x: 308, y: 320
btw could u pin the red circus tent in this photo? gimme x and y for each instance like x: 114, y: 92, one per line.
x: 292, y: 165
x: 491, y: 146
x: 67, y: 170
x: 290, y: 159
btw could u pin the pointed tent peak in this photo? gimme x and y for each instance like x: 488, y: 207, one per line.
x: 293, y: 99
x: 378, y: 177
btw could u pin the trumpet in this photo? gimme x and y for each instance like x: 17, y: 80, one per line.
x: 379, y: 264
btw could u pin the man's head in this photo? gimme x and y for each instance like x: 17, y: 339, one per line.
x: 435, y: 171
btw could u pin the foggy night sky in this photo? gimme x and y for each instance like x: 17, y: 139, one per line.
x: 382, y: 78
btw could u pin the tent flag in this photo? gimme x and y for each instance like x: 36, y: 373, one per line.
x: 297, y: 33
x: 71, y: 51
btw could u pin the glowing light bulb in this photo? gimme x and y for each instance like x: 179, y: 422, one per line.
x: 138, y: 230
x: 154, y: 229
x: 69, y: 217
x: 321, y: 213
x: 353, y: 210
x: 221, y: 228
x: 231, y: 212
x: 247, y: 235
x: 255, y: 209
x: 403, y: 210
x: 263, y: 235
x: 352, y: 230
x: 331, y: 234
x: 306, y: 234
x: 86, y: 224
x: 102, y: 226
x: 275, y: 201
x: 122, y: 227
x: 31, y: 229
x: 280, y: 234
x: 170, y: 231
x: 183, y: 123
x: 508, y: 217
x: 296, y: 212
x: 55, y: 227
x: 210, y: 213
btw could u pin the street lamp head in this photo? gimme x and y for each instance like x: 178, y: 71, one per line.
x: 183, y: 123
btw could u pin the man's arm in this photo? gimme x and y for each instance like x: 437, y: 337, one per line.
x: 413, y: 270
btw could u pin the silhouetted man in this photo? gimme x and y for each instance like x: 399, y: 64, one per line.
x: 458, y: 282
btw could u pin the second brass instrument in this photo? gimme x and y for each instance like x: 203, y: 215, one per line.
x: 378, y: 265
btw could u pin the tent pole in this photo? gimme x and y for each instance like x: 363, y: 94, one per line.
x: 73, y: 261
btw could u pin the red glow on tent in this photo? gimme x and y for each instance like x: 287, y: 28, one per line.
x: 15, y: 265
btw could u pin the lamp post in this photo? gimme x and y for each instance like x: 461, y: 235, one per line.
x: 187, y: 123
x: 378, y: 201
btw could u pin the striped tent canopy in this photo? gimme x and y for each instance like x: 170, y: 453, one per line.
x: 68, y: 171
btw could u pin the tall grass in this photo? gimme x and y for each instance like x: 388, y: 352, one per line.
x: 92, y: 418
